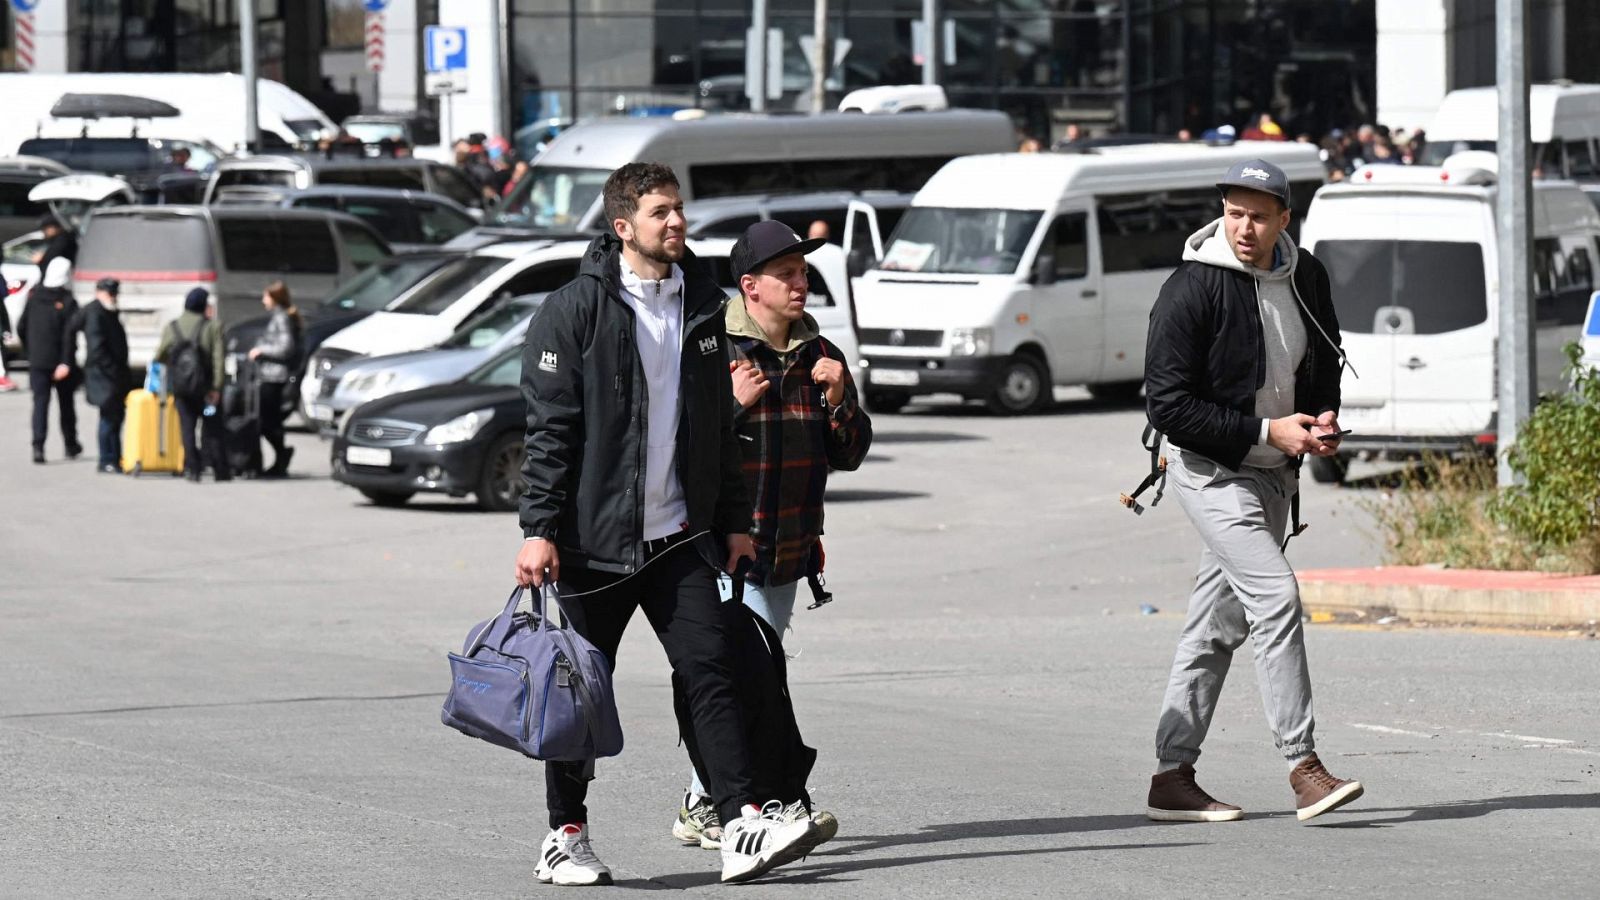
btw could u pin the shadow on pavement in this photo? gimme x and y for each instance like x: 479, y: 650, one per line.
x: 974, y: 410
x: 1469, y: 809
x: 849, y: 845
x: 847, y: 495
x: 827, y: 871
x: 923, y: 437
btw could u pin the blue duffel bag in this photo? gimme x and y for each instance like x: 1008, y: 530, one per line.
x: 539, y: 689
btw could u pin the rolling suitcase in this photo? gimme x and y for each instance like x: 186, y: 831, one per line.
x: 241, y: 422
x: 150, y: 439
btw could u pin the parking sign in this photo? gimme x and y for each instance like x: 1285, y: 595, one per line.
x: 447, y: 48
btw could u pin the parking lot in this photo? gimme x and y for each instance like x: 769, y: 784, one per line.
x: 232, y: 690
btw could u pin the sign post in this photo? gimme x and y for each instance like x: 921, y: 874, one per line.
x: 24, y: 33
x: 374, y: 34
x: 446, y: 65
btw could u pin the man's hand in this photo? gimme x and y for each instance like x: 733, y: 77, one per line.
x: 213, y: 397
x: 1327, y: 423
x: 537, y: 558
x: 61, y: 373
x: 829, y: 373
x: 1290, y: 435
x: 749, y: 382
x: 740, y: 546
x: 255, y: 352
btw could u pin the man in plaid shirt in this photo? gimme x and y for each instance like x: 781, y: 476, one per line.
x: 799, y: 417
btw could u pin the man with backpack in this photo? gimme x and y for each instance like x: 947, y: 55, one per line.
x: 1242, y: 372
x: 798, y: 418
x: 191, y: 349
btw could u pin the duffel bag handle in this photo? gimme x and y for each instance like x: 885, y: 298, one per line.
x: 495, y: 632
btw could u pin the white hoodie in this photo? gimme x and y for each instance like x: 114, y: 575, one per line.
x: 1282, y: 329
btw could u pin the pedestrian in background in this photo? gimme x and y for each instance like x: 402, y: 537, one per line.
x: 1242, y: 376
x: 632, y: 472
x: 106, y: 376
x: 798, y: 418
x: 193, y: 342
x: 60, y: 242
x: 47, y: 338
x: 276, y: 355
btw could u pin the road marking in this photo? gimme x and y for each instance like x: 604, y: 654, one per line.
x: 1384, y: 729
x: 1525, y: 738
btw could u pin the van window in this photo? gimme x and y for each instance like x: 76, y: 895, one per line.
x: 454, y: 185
x: 359, y: 244
x: 269, y: 245
x: 1440, y: 282
x: 1562, y: 282
x: 1146, y: 231
x: 14, y: 200
x: 109, y: 155
x: 553, y: 197
x: 1580, y: 159
x: 960, y: 241
x: 180, y: 245
x: 321, y: 202
x: 906, y: 174
x: 394, y: 219
x: 817, y: 287
x: 1069, y: 244
x: 800, y: 220
x: 254, y: 178
x: 732, y: 226
x: 405, y: 179
x: 448, y: 283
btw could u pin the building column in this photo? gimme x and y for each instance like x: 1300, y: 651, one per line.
x: 400, y: 82
x: 1413, y: 60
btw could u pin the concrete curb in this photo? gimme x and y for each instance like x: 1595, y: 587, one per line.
x: 1455, y: 596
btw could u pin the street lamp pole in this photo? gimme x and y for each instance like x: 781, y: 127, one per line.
x: 1514, y: 215
x: 247, y: 65
x: 930, y: 42
x: 819, y: 58
x: 758, y: 36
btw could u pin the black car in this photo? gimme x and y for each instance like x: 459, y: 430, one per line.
x: 458, y: 439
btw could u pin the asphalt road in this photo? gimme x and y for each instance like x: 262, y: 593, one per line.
x: 233, y: 691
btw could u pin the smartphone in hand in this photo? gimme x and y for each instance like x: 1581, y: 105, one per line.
x: 1334, y: 436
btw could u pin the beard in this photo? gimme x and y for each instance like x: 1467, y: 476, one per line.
x: 658, y: 251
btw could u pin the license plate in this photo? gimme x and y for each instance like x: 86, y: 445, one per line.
x: 895, y: 377
x: 322, y: 412
x: 368, y: 456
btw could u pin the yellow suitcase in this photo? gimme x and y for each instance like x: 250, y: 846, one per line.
x: 150, y: 437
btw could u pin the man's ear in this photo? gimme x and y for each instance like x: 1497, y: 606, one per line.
x: 747, y: 284
x: 623, y: 229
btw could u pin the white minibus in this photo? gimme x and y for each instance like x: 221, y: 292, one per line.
x: 1563, y: 122
x: 1413, y: 263
x: 1011, y: 273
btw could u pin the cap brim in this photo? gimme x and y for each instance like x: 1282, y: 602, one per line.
x: 1223, y: 186
x: 802, y: 247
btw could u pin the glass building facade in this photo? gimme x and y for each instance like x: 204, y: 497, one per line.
x: 1133, y: 65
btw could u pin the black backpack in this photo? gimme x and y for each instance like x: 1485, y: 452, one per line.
x: 189, y: 363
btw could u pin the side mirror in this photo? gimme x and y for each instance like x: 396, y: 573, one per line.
x: 1044, y: 269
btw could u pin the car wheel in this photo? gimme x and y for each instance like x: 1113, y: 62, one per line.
x: 1329, y: 469
x: 386, y: 498
x: 1116, y: 391
x: 1023, y: 386
x: 500, y: 486
x: 886, y: 402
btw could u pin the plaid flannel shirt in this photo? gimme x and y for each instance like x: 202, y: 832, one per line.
x: 791, y: 439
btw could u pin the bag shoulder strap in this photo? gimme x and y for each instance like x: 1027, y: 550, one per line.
x: 1151, y: 441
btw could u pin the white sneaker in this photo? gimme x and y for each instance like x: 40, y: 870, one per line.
x: 565, y: 857
x: 827, y: 824
x: 762, y: 840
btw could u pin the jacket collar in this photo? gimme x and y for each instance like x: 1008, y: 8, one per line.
x: 701, y: 296
x: 741, y: 324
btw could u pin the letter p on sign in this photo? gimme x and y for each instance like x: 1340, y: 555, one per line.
x: 447, y: 48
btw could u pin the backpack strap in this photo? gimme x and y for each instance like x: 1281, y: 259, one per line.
x: 1296, y: 527
x: 1151, y: 441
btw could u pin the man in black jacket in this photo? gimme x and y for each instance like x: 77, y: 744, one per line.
x: 48, y: 338
x: 633, y: 468
x: 106, y: 376
x: 1242, y: 368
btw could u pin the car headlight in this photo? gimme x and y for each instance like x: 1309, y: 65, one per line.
x: 461, y: 428
x: 971, y: 341
x: 371, y: 384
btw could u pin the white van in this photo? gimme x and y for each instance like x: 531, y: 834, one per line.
x: 1011, y: 273
x: 1563, y: 121
x: 735, y: 155
x: 210, y: 108
x: 431, y: 311
x: 1411, y: 256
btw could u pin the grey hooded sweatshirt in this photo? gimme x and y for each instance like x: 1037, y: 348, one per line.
x: 1282, y: 330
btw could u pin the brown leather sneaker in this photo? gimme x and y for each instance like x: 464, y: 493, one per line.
x: 1317, y: 792
x: 1175, y: 797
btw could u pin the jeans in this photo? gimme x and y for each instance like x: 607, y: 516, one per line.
x: 110, y: 434
x: 42, y: 385
x: 774, y: 603
x: 207, y: 447
x: 678, y: 593
x: 271, y: 410
x: 1245, y: 588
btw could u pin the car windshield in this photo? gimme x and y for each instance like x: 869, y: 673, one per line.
x: 553, y: 197
x: 960, y: 241
x: 446, y: 285
x: 504, y: 370
x: 21, y: 251
x: 483, y: 330
x: 379, y: 285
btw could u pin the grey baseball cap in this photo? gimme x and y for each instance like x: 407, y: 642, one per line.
x: 1257, y: 175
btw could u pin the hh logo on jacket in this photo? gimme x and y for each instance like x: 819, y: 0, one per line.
x: 547, y: 361
x: 708, y: 345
